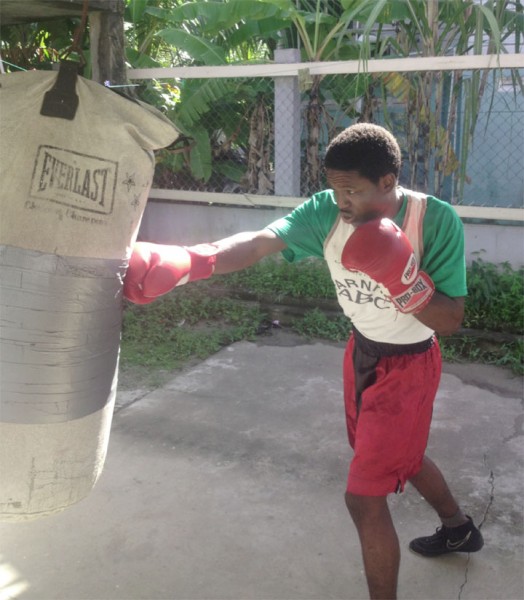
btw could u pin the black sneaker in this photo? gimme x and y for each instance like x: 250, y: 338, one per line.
x: 465, y: 538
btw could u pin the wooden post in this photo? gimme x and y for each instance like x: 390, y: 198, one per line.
x: 108, y: 44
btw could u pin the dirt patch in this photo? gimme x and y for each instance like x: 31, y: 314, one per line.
x: 280, y: 336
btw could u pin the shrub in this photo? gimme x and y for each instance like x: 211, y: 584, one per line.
x: 495, y: 297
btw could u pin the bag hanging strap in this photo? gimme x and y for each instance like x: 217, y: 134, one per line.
x: 61, y: 101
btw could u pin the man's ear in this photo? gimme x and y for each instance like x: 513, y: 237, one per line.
x: 388, y: 182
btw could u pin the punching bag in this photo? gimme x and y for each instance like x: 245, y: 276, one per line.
x: 76, y: 166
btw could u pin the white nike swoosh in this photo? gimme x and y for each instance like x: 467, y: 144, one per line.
x: 459, y: 544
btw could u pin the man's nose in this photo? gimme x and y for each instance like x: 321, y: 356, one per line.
x: 344, y: 203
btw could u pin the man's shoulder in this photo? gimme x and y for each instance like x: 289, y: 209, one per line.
x: 440, y: 206
x: 443, y: 214
x: 441, y: 222
x: 320, y: 206
x: 323, y: 200
x: 437, y: 210
x: 432, y: 201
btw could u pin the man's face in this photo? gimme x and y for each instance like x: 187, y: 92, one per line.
x: 359, y: 199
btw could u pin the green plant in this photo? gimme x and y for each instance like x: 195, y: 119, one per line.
x: 316, y: 324
x: 495, y: 298
x: 277, y: 278
x: 466, y: 349
x: 185, y: 324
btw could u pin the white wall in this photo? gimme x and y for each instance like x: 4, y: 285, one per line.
x: 495, y: 243
x: 170, y: 223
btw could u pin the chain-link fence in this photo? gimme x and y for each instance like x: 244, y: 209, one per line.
x: 267, y: 136
x: 495, y: 166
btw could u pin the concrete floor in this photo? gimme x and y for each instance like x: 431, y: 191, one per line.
x: 227, y: 483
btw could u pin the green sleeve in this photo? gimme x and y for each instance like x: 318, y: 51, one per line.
x: 444, y: 260
x: 305, y: 229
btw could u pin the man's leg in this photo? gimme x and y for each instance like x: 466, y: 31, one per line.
x: 379, y: 542
x: 430, y: 483
x: 458, y: 532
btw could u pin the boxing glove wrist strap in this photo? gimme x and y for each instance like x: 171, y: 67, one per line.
x: 203, y: 261
x: 415, y: 298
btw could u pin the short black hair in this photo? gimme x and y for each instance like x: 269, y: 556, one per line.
x: 369, y: 149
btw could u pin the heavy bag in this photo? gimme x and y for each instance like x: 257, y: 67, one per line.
x: 72, y: 194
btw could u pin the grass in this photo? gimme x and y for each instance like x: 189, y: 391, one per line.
x: 195, y: 321
x: 273, y: 276
x: 182, y: 325
x: 465, y: 349
x: 316, y: 324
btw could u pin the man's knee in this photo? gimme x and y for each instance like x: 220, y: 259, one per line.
x: 354, y: 507
x: 351, y: 501
x: 362, y: 507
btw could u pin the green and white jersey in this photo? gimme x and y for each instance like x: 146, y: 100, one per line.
x: 433, y: 227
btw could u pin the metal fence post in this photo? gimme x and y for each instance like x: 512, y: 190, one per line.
x: 287, y: 128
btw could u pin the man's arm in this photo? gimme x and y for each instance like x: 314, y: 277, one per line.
x: 245, y: 249
x: 442, y: 314
x: 155, y: 269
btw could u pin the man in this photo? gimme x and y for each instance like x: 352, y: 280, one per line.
x: 397, y: 260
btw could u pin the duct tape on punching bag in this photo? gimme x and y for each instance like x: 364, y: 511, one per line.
x: 72, y: 195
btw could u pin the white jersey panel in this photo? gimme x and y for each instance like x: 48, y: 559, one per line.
x: 365, y: 301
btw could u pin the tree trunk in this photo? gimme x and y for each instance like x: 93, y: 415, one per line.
x: 259, y: 155
x: 313, y: 167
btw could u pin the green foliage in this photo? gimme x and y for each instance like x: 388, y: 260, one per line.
x: 135, y: 10
x: 37, y: 45
x: 185, y: 324
x: 200, y: 159
x: 216, y: 18
x: 276, y: 278
x: 495, y: 298
x: 317, y: 324
x: 461, y: 349
x: 208, y: 53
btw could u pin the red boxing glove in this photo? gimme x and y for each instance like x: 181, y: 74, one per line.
x: 155, y: 269
x: 382, y: 251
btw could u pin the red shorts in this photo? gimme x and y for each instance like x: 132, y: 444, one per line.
x: 389, y: 405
